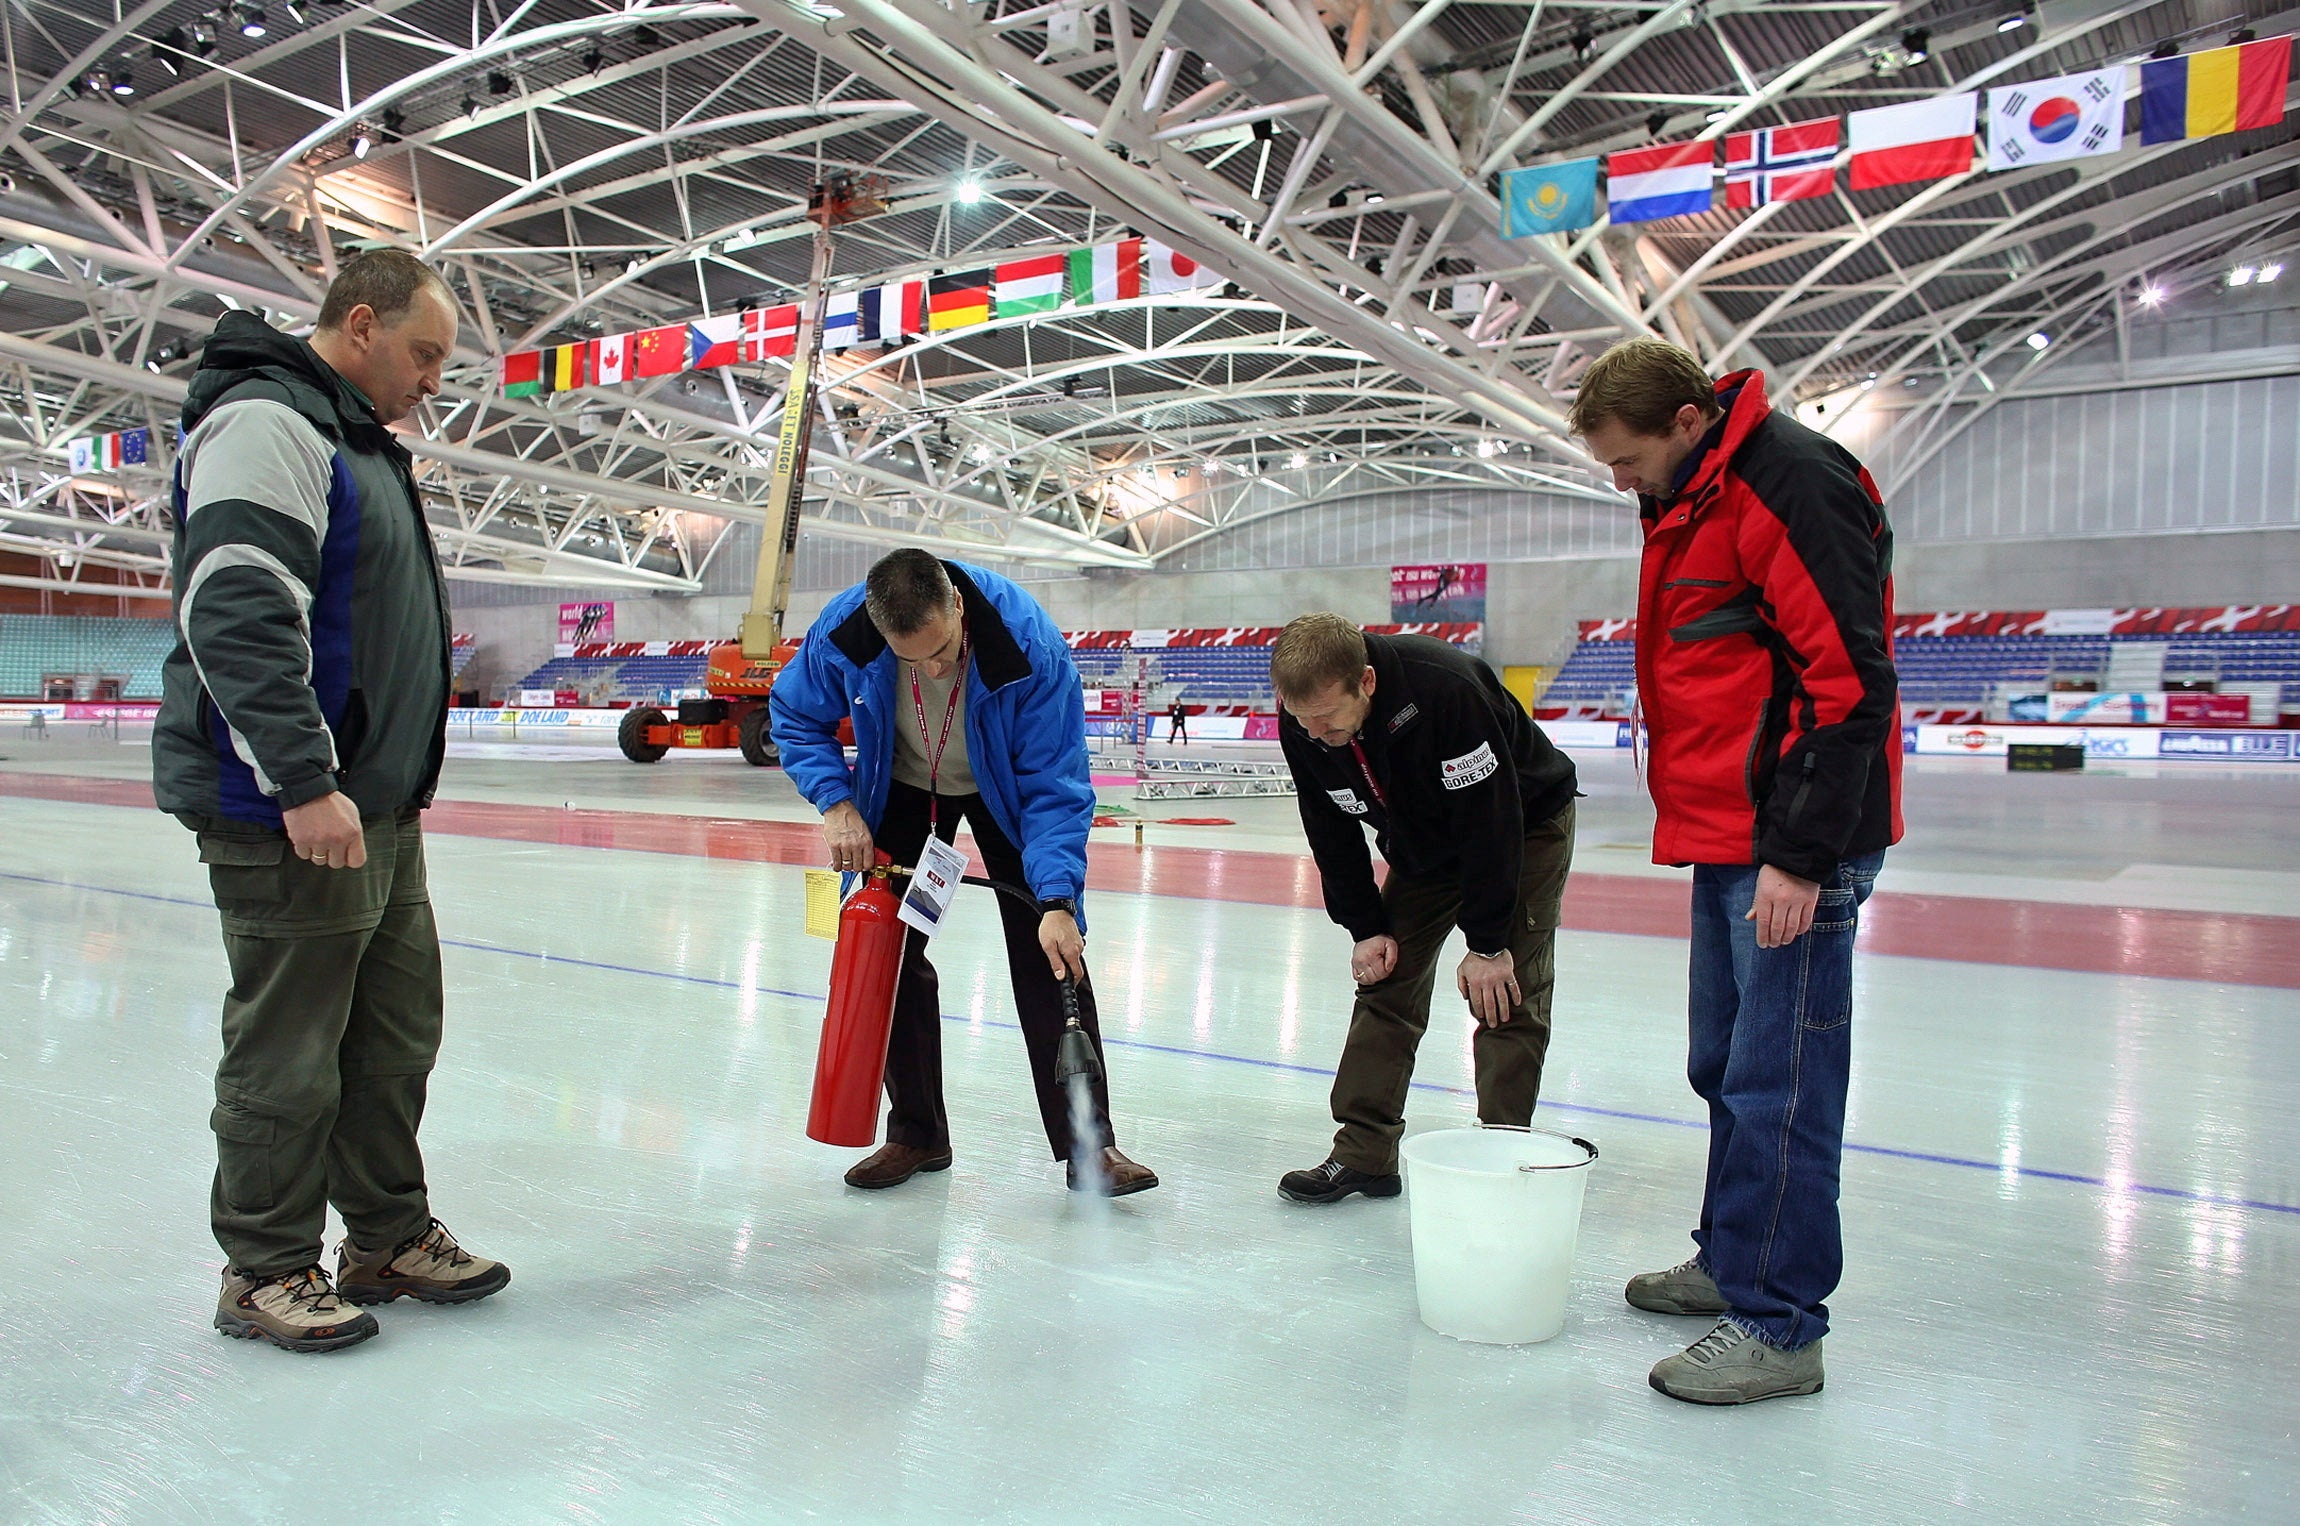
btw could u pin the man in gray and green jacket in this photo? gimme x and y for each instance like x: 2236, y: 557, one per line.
x: 301, y: 727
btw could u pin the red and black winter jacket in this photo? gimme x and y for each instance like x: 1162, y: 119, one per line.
x: 1764, y: 650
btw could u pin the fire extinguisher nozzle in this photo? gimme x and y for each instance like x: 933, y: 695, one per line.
x: 1076, y: 1056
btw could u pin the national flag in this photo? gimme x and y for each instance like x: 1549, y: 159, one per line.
x: 566, y: 367
x: 1549, y: 198
x: 842, y: 320
x: 83, y: 454
x: 2216, y: 91
x: 1667, y: 180
x: 108, y: 451
x: 661, y: 352
x: 1918, y: 140
x: 770, y: 331
x: 889, y: 312
x: 714, y: 342
x: 958, y: 298
x: 523, y: 373
x: 1790, y: 163
x: 1033, y: 285
x: 135, y: 446
x: 1106, y: 273
x: 611, y: 359
x: 1166, y: 270
x: 2045, y: 121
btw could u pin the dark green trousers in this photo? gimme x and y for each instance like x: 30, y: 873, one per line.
x: 1391, y: 1015
x: 330, y: 1030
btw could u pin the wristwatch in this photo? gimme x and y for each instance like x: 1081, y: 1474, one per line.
x: 1061, y: 903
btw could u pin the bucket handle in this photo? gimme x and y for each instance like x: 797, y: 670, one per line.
x: 1522, y: 1128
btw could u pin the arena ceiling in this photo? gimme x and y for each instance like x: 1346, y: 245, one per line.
x: 580, y: 167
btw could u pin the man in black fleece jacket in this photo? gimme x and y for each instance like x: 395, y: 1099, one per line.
x: 1473, y: 810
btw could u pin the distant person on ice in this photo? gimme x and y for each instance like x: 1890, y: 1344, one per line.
x: 965, y: 706
x: 1178, y: 724
x: 1765, y: 672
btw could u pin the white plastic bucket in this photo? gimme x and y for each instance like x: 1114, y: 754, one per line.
x: 1495, y: 1214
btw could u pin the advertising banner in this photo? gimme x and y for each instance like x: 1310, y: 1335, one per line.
x: 2208, y: 709
x: 2227, y: 746
x: 1451, y: 593
x: 579, y: 623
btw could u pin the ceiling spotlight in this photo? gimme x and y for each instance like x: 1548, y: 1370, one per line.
x: 2241, y: 35
x: 1584, y: 43
x: 631, y: 265
x: 1298, y: 460
x: 646, y: 36
x: 2165, y: 49
x: 2152, y: 295
x: 394, y: 123
x: 498, y: 83
x: 594, y: 59
x: 2270, y: 272
x: 293, y: 11
x: 1917, y: 44
x: 123, y: 82
x: 1657, y: 123
x: 2013, y: 20
x: 2240, y: 276
x: 470, y: 107
x: 203, y: 40
x: 590, y: 270
x: 969, y: 192
x: 249, y: 19
x: 360, y: 145
x: 2039, y: 340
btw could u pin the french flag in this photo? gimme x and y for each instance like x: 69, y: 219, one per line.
x: 1917, y: 140
x: 1668, y: 180
x: 1788, y: 163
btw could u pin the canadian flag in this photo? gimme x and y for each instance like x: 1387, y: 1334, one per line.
x: 1917, y: 140
x: 612, y: 363
x: 1166, y: 269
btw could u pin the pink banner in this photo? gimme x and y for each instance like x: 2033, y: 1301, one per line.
x: 2207, y: 710
x: 582, y: 624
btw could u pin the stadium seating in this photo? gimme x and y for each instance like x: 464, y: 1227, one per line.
x: 36, y: 647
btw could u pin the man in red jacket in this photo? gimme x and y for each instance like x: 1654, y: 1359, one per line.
x: 1765, y: 678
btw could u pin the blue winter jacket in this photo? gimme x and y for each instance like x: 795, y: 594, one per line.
x: 1025, y: 723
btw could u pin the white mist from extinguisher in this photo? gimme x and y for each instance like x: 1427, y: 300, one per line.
x: 1085, y: 1135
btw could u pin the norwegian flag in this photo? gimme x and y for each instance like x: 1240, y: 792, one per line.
x: 1788, y: 163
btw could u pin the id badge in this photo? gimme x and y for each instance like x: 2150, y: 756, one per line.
x: 934, y: 886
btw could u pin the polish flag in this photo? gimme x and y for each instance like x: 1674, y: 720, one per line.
x: 770, y: 331
x: 1918, y: 140
x: 611, y: 359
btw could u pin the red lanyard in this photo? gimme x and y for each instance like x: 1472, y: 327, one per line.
x: 935, y: 748
x: 1367, y: 769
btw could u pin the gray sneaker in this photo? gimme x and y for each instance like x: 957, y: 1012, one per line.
x: 1683, y: 1289
x: 1731, y: 1366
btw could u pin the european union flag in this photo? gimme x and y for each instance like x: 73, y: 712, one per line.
x: 1549, y: 198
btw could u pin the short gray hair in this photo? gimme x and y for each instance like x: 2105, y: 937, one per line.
x: 382, y: 280
x: 906, y: 590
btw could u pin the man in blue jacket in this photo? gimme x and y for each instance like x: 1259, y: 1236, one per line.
x: 965, y: 707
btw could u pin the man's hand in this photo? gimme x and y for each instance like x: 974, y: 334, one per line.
x: 1489, y: 985
x: 1065, y: 947
x: 1372, y: 960
x: 326, y: 832
x: 848, y: 838
x: 1783, y: 910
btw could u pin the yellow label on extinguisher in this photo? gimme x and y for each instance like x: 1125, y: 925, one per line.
x: 823, y: 904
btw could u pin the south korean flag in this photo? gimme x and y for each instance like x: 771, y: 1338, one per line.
x: 2046, y: 121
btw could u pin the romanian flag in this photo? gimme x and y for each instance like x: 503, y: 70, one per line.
x: 714, y: 342
x: 1106, y: 273
x: 957, y: 298
x: 770, y: 331
x: 1033, y: 285
x: 661, y: 352
x: 523, y: 373
x: 567, y: 367
x: 2221, y: 90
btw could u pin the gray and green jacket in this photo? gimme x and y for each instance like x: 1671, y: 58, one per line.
x: 312, y: 629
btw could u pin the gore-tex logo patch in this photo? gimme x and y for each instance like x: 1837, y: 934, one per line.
x: 1466, y: 770
x: 1348, y: 800
x: 1410, y: 710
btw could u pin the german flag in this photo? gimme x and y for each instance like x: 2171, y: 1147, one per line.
x: 956, y: 299
x: 567, y: 367
x: 523, y: 373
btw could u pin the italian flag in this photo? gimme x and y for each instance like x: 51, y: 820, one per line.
x: 1030, y: 286
x: 1106, y: 273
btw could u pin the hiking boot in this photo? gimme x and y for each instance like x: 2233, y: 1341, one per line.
x: 890, y: 1165
x: 1120, y: 1176
x: 1332, y: 1182
x: 295, y: 1311
x: 1731, y: 1366
x: 1686, y: 1288
x: 429, y: 1267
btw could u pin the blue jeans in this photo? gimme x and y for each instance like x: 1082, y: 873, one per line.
x: 1771, y: 1053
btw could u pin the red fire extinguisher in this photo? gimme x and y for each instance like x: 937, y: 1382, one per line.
x: 851, y: 1064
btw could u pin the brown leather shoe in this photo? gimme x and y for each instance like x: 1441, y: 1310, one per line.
x: 893, y: 1164
x: 1120, y: 1176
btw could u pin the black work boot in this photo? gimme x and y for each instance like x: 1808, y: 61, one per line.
x: 1332, y: 1182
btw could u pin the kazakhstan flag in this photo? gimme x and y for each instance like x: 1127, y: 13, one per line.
x: 1549, y: 198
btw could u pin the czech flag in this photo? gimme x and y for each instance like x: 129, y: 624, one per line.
x: 1917, y: 140
x: 2221, y: 90
x: 958, y: 298
x: 1669, y: 180
x: 714, y: 342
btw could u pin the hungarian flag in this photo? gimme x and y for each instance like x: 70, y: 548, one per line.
x: 1918, y: 140
x: 1167, y: 270
x: 770, y: 331
x: 842, y: 320
x: 2216, y: 91
x: 890, y: 311
x: 566, y: 367
x: 523, y: 373
x: 957, y: 298
x: 1030, y: 286
x: 661, y: 352
x: 1791, y: 163
x: 1106, y: 273
x: 714, y: 342
x: 611, y: 359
